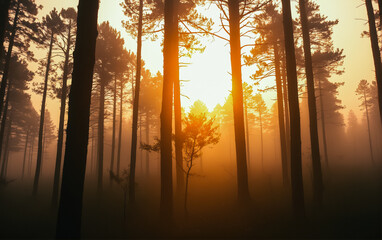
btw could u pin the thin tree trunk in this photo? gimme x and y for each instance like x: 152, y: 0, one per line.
x: 140, y: 139
x: 92, y: 153
x: 318, y: 186
x: 323, y: 125
x: 60, y: 139
x: 70, y: 208
x: 280, y: 108
x: 4, y: 119
x: 169, y: 75
x: 376, y: 52
x: 100, y: 139
x: 120, y: 128
x: 25, y: 153
x: 237, y: 97
x: 113, y: 133
x: 368, y: 128
x: 132, y: 88
x: 178, y: 109
x: 4, y: 8
x: 296, y: 166
x: 31, y: 156
x: 42, y: 118
x: 286, y: 106
x: 247, y: 134
x: 148, y: 142
x: 5, y: 162
x: 43, y: 149
x: 133, y: 158
x: 261, y: 139
x: 4, y: 81
x: 187, y: 178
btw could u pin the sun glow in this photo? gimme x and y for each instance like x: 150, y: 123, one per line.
x: 207, y: 74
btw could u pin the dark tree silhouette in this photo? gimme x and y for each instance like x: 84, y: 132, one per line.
x: 326, y: 60
x: 135, y: 107
x: 268, y: 49
x: 376, y: 51
x: 314, y: 142
x: 109, y: 51
x: 187, y: 19
x: 70, y: 208
x: 19, y: 103
x: 25, y: 29
x: 237, y: 16
x: 295, y: 128
x: 125, y: 66
x: 69, y: 16
x: 53, y: 25
x: 237, y: 95
x: 248, y: 102
x: 169, y: 60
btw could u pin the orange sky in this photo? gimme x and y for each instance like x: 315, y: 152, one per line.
x: 208, y: 73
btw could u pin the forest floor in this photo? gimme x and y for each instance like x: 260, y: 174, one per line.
x: 351, y: 210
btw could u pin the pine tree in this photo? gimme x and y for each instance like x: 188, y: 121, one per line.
x: 53, y: 25
x: 376, y: 51
x: 364, y: 92
x: 66, y: 46
x: 109, y: 51
x: 295, y: 128
x: 70, y: 208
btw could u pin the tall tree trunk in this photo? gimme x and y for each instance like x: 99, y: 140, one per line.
x: 4, y: 118
x: 70, y: 208
x: 3, y: 127
x: 4, y: 81
x: 43, y: 149
x: 120, y: 127
x: 368, y: 128
x: 132, y: 88
x: 169, y: 76
x: 247, y: 134
x: 318, y: 186
x: 376, y: 51
x: 4, y: 8
x: 113, y: 133
x: 31, y: 156
x: 25, y: 153
x: 133, y: 158
x: 178, y: 109
x: 60, y: 139
x: 100, y: 139
x: 148, y: 142
x: 323, y: 123
x: 237, y: 97
x: 92, y: 152
x: 286, y: 106
x: 295, y: 128
x: 261, y: 139
x: 4, y: 166
x: 140, y: 139
x: 280, y: 108
x: 42, y: 118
